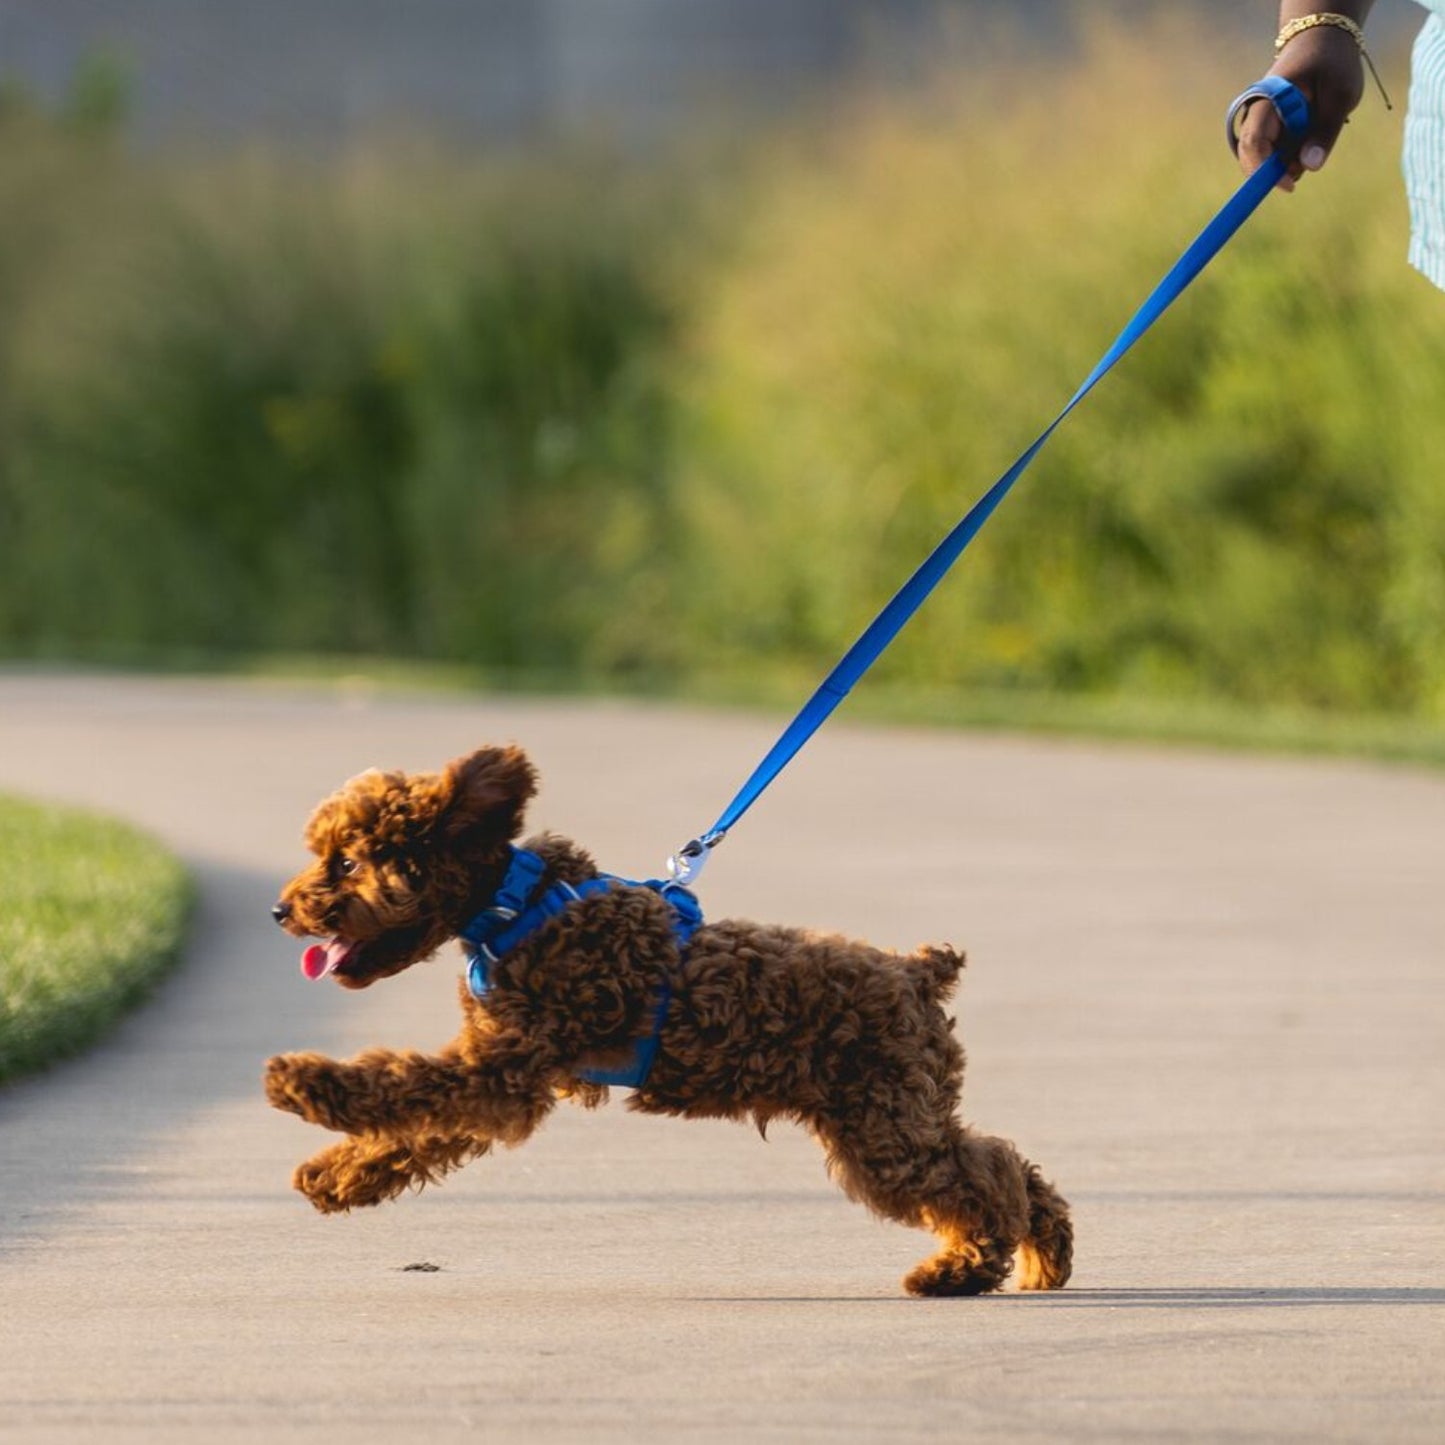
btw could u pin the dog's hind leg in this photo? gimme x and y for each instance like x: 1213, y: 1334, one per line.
x: 1046, y: 1257
x: 969, y: 1189
x: 371, y: 1168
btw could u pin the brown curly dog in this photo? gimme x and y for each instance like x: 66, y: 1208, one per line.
x: 754, y: 1021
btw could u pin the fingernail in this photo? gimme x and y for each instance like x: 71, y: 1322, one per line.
x: 1312, y: 157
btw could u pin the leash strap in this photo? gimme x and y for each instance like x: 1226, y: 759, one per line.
x: 686, y: 864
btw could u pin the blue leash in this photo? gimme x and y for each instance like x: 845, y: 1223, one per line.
x: 1293, y: 111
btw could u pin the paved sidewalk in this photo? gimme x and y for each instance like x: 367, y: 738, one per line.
x: 1206, y: 993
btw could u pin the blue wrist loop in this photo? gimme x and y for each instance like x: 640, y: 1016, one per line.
x: 1289, y: 105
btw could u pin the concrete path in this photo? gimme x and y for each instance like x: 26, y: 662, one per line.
x: 1205, y: 992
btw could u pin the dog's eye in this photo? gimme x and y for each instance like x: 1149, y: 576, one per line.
x: 347, y: 866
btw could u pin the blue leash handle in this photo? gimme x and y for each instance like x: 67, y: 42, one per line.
x: 1293, y: 110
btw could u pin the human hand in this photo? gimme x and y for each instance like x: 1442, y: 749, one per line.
x: 1326, y: 65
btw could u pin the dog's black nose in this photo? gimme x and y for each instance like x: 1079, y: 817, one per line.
x: 281, y: 912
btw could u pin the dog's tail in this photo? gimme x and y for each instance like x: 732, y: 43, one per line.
x: 936, y: 968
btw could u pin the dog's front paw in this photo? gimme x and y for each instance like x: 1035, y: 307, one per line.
x: 317, y: 1180
x: 356, y: 1173
x: 309, y: 1085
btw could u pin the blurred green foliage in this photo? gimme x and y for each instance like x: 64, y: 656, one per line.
x: 559, y: 417
x: 1251, y: 507
x: 398, y: 407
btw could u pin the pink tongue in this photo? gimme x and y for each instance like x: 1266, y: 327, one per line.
x: 321, y: 958
x: 314, y: 962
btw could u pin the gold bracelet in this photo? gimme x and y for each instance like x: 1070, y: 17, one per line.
x: 1339, y: 22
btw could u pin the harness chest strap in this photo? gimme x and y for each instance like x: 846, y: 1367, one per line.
x: 512, y: 918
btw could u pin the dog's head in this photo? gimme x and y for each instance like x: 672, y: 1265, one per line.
x: 403, y: 861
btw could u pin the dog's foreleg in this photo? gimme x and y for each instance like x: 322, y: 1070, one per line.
x: 372, y: 1168
x: 502, y: 1095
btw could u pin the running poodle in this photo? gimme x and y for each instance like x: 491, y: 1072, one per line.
x: 578, y: 980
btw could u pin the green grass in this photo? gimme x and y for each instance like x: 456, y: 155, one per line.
x: 94, y: 914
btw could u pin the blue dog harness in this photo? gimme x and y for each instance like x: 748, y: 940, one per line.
x: 513, y: 917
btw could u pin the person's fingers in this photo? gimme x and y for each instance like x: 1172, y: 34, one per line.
x: 1259, y: 133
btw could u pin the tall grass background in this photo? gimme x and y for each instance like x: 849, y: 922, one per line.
x: 562, y: 415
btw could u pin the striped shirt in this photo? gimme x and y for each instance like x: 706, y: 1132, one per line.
x: 1424, y: 156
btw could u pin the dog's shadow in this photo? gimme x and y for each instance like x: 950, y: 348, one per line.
x: 1313, y: 1297
x: 1163, y: 1298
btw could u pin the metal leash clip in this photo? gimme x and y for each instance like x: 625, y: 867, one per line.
x: 686, y: 865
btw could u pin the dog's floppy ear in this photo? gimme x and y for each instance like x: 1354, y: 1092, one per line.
x: 488, y: 790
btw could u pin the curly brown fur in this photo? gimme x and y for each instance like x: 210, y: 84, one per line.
x: 764, y: 1022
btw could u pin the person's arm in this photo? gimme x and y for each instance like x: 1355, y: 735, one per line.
x: 1325, y: 63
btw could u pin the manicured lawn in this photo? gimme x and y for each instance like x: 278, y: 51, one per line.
x: 92, y: 913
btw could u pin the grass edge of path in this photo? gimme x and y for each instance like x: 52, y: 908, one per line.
x: 96, y: 915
